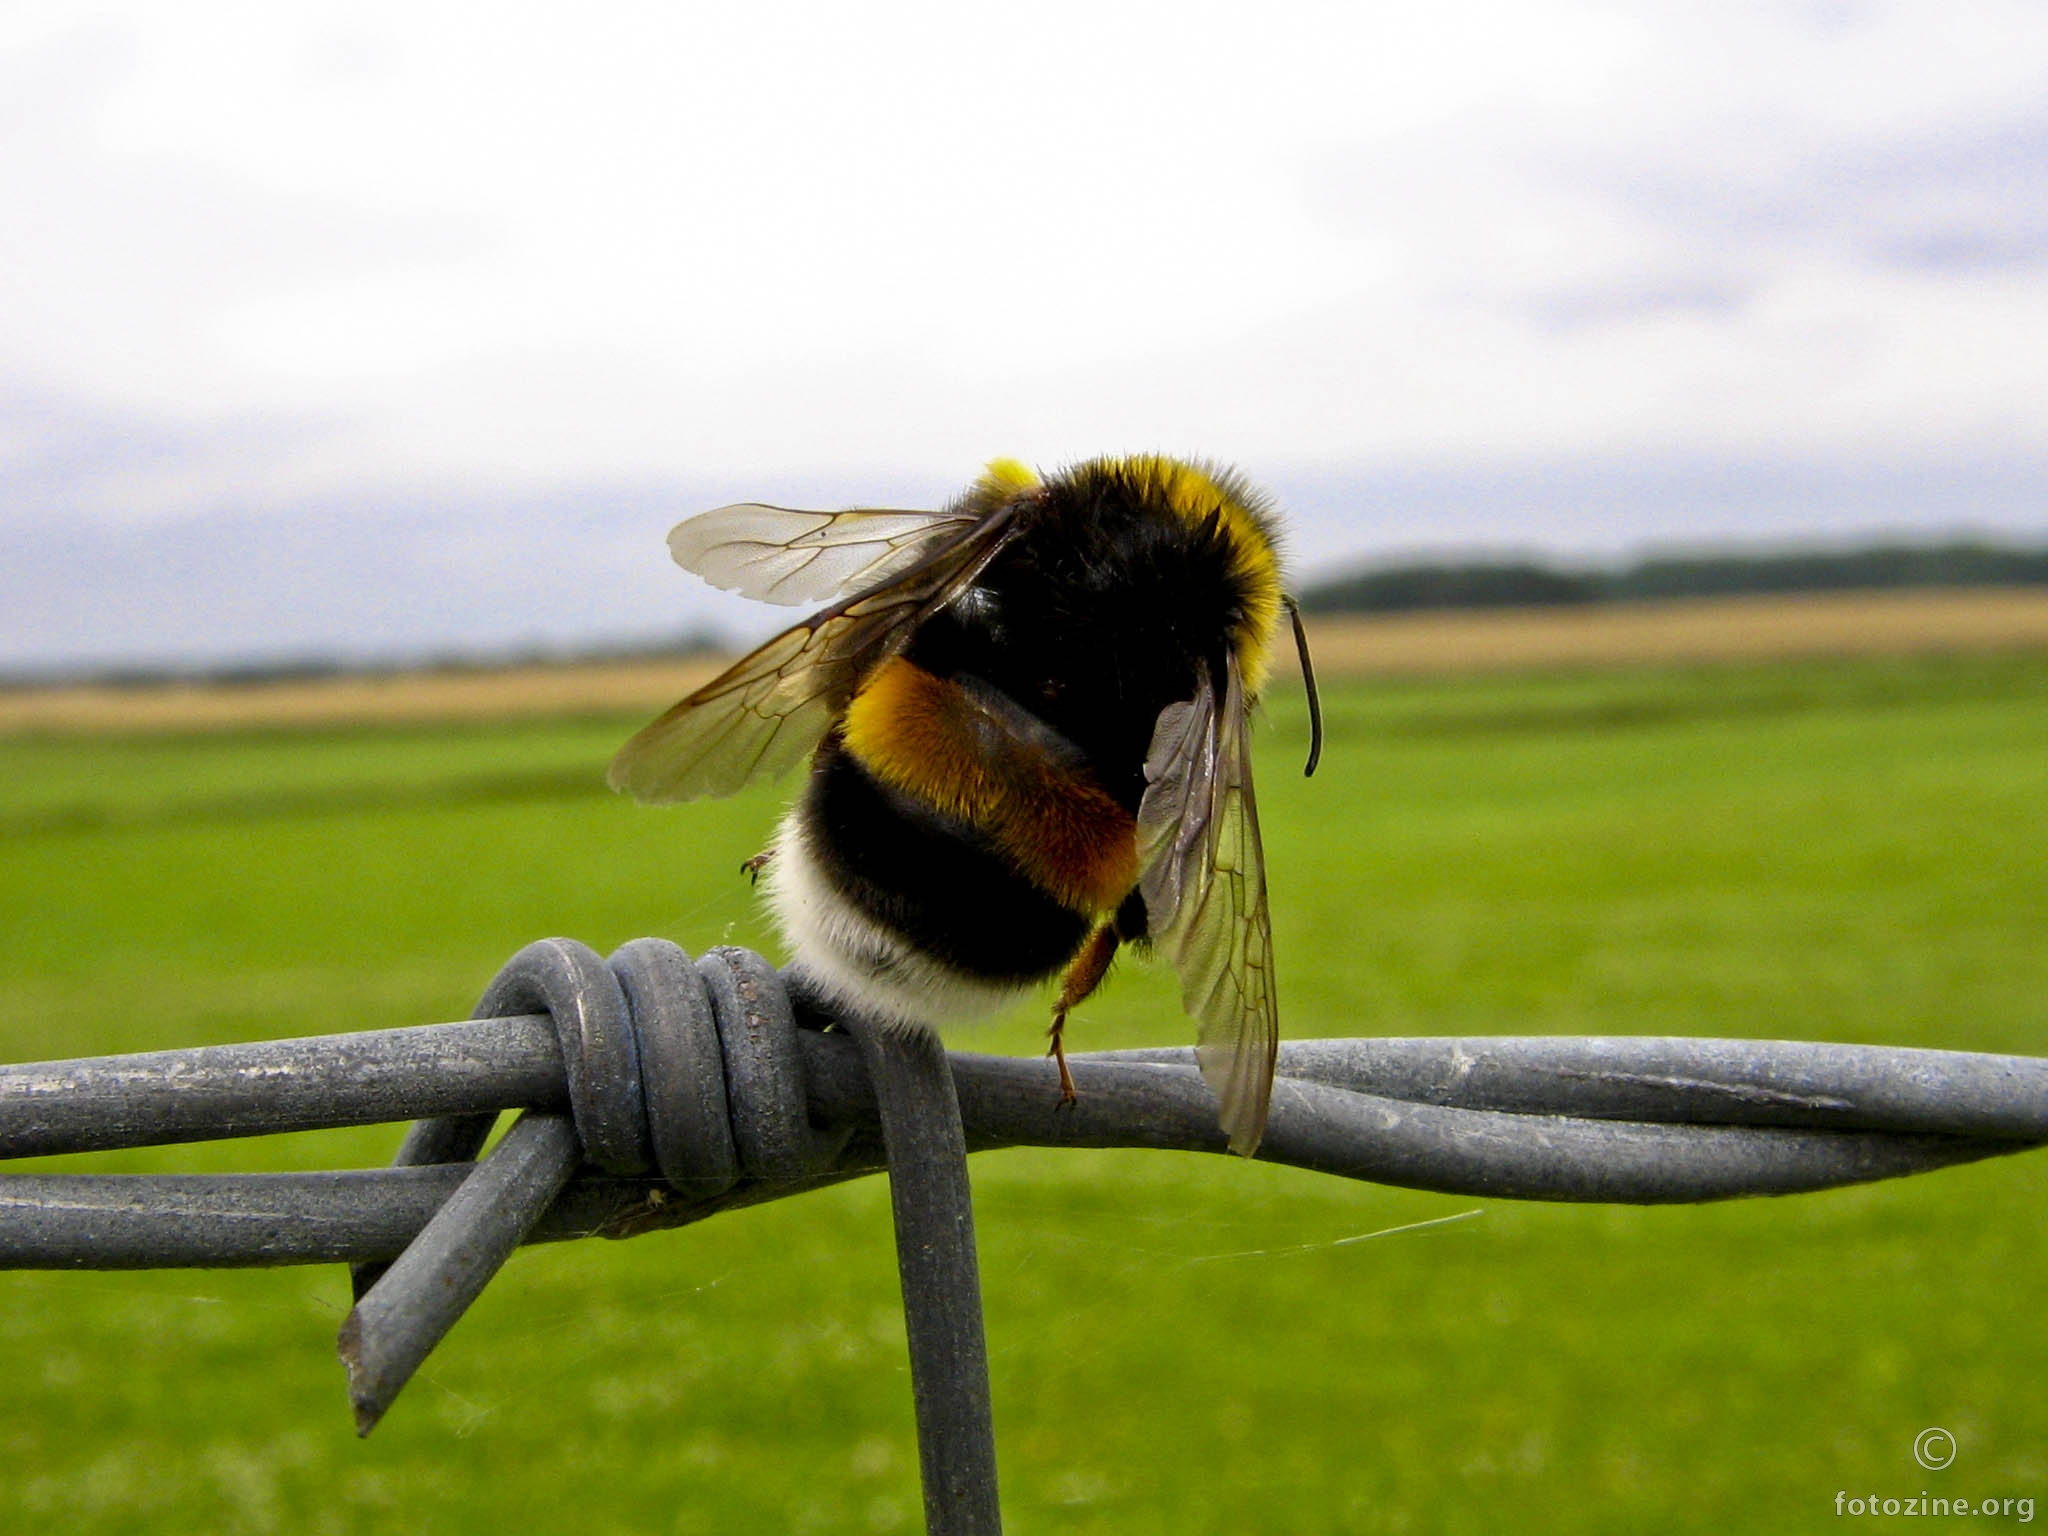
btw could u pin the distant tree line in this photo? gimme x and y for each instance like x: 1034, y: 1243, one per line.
x: 1522, y: 584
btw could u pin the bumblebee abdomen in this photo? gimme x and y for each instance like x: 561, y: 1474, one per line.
x: 950, y: 849
x: 931, y: 878
x: 965, y: 750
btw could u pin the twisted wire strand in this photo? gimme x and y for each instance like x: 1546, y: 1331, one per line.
x: 1723, y: 1117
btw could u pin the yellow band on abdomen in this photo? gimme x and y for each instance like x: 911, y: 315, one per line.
x: 933, y: 740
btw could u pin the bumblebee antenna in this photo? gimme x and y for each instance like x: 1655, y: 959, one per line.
x: 1308, y: 678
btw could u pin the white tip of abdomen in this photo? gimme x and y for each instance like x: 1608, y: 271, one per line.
x: 854, y: 960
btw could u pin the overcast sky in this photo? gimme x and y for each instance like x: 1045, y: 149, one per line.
x: 380, y: 328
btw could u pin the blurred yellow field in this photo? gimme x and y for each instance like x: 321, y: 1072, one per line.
x: 595, y: 688
x: 1695, y: 630
x: 1383, y: 645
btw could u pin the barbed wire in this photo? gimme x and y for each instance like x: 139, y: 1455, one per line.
x: 656, y: 1091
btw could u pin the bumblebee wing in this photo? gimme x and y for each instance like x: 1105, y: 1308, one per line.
x: 1204, y: 885
x: 782, y: 555
x: 769, y: 709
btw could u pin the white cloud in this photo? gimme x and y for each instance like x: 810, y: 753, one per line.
x: 299, y: 251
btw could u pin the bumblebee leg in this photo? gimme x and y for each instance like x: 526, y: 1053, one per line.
x: 1058, y: 1052
x: 752, y: 867
x: 1083, y: 976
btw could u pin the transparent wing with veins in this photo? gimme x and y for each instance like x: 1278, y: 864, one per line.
x: 769, y: 710
x: 782, y: 555
x: 1203, y: 880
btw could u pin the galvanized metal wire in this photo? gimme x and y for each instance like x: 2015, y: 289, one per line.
x: 657, y: 1091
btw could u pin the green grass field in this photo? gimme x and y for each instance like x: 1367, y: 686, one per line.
x: 1847, y: 851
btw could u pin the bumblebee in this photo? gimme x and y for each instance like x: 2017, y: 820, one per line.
x: 1028, y: 723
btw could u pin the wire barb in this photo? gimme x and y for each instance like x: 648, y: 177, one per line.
x: 657, y: 1055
